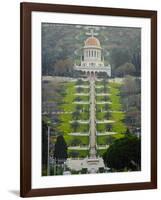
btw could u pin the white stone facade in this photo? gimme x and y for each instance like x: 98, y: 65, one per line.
x: 92, y: 58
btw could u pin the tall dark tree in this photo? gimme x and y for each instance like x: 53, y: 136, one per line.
x: 79, y: 89
x: 124, y: 153
x: 108, y: 127
x: 78, y: 98
x: 75, y: 115
x: 75, y: 142
x: 60, y: 152
x: 79, y: 82
x: 106, y: 107
x: 107, y: 116
x: 75, y: 125
x: 44, y: 145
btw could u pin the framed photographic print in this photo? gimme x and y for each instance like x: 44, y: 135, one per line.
x: 88, y: 99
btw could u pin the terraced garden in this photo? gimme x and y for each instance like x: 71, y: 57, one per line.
x: 109, y: 115
x: 73, y: 116
x: 74, y: 119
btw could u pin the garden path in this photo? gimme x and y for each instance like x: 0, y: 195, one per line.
x: 92, y: 137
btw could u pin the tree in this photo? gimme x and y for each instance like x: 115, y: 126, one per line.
x: 125, y: 69
x: 124, y: 153
x: 78, y: 108
x: 79, y: 90
x: 75, y: 142
x: 130, y: 86
x: 127, y: 131
x: 63, y: 67
x: 60, y: 148
x: 107, y: 115
x: 79, y: 82
x: 75, y: 125
x: 106, y: 98
x: 106, y: 107
x: 75, y: 115
x: 118, y: 57
x: 109, y: 139
x: 105, y: 89
x: 74, y: 154
x: 78, y: 98
x: 108, y: 127
x: 44, y: 144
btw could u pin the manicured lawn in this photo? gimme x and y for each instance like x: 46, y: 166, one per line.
x: 100, y: 115
x: 68, y: 107
x: 115, y: 107
x: 102, y: 98
x: 118, y: 136
x: 81, y: 112
x: 119, y: 127
x: 100, y: 107
x: 78, y: 115
x: 99, y: 90
x: 100, y: 152
x: 101, y: 127
x: 108, y: 139
x: 79, y: 140
x: 79, y: 153
x: 65, y: 117
x: 83, y: 128
x: 82, y: 90
x: 84, y: 116
x: 99, y: 83
x: 81, y: 98
x: 82, y: 107
x: 80, y: 82
x: 117, y: 116
x: 64, y: 128
x: 103, y: 82
x: 84, y: 139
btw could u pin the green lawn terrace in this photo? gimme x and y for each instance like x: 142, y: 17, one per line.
x: 109, y: 115
x: 74, y: 118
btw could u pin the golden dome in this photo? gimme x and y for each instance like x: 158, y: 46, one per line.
x: 92, y: 41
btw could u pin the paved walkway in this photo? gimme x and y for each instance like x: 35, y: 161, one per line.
x: 79, y: 134
x: 78, y: 147
x: 106, y: 133
x: 103, y: 102
x: 92, y: 118
x: 81, y: 102
x: 103, y: 94
x: 105, y: 121
x: 81, y: 86
x: 82, y: 94
x: 80, y: 121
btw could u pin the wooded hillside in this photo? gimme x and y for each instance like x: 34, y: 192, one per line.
x: 61, y: 48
